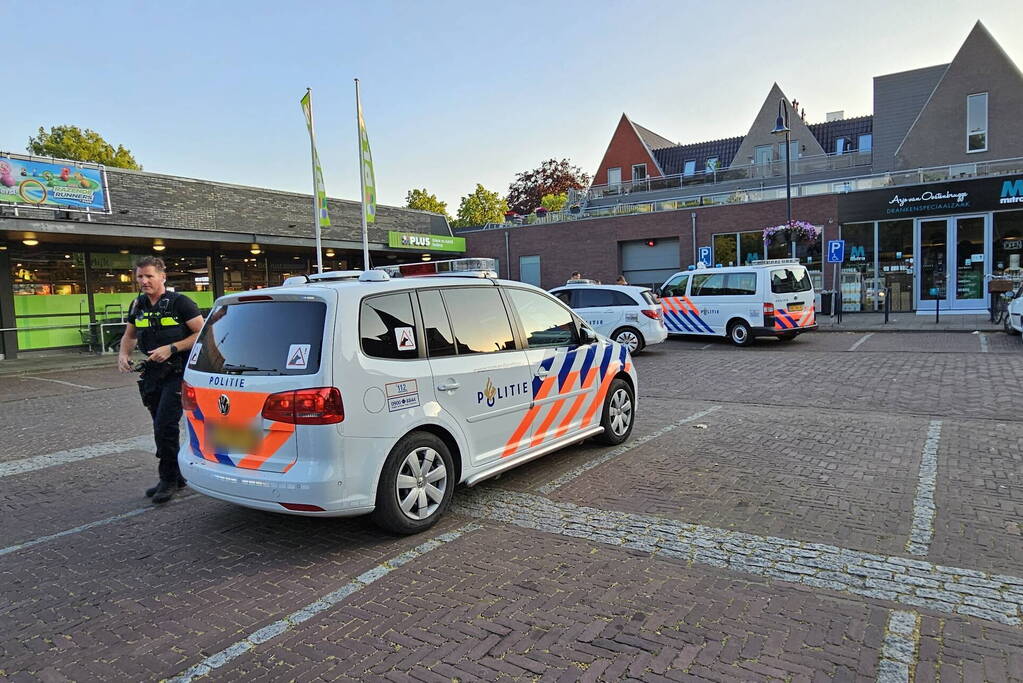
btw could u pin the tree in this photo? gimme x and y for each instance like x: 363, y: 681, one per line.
x: 424, y: 201
x: 71, y: 142
x: 552, y: 177
x: 554, y: 202
x: 480, y: 207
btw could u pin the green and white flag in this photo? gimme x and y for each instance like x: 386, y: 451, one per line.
x: 369, y: 186
x: 322, y: 217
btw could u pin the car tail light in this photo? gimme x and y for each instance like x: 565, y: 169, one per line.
x: 320, y: 406
x: 654, y: 313
x: 188, y: 402
x: 301, y: 507
x: 768, y: 309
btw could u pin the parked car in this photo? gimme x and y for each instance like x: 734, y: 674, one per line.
x: 770, y: 298
x: 352, y: 393
x: 1014, y: 319
x: 628, y: 315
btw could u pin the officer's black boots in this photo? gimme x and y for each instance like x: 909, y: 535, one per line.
x: 151, y: 491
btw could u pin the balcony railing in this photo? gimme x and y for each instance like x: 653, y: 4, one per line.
x: 876, y: 181
x: 751, y: 171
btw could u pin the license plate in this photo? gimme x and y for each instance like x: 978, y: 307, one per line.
x: 795, y: 308
x: 234, y: 439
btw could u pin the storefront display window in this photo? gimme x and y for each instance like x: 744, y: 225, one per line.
x: 751, y: 246
x: 243, y: 273
x: 725, y: 249
x: 49, y: 292
x: 895, y: 262
x: 190, y: 275
x: 283, y: 266
x: 858, y: 282
x: 1007, y: 256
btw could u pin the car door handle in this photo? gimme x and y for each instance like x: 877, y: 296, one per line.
x: 542, y: 372
x: 450, y: 386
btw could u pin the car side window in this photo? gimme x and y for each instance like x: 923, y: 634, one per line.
x: 592, y: 298
x: 544, y: 321
x: 742, y: 284
x: 479, y: 321
x: 622, y: 299
x: 439, y: 340
x: 712, y: 284
x: 565, y: 296
x: 388, y: 327
x: 676, y: 286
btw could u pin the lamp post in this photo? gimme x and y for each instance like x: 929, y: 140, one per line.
x: 781, y: 127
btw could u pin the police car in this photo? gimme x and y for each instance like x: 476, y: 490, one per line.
x: 769, y: 298
x: 628, y: 315
x: 346, y: 393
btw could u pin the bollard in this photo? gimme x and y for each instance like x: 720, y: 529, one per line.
x: 887, y: 303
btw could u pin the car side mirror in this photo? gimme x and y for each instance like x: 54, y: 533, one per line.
x: 587, y: 336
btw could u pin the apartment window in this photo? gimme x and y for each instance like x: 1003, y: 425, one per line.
x: 689, y: 168
x: 763, y: 154
x: 638, y: 172
x: 841, y: 145
x: 976, y: 122
x: 614, y: 176
x: 712, y: 164
x: 866, y: 143
x: 793, y: 149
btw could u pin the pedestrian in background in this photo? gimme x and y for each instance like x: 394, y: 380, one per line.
x: 621, y: 280
x: 164, y: 325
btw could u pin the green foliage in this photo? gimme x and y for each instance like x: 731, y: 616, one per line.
x: 551, y: 177
x: 71, y: 142
x: 480, y: 207
x: 554, y: 202
x: 424, y: 201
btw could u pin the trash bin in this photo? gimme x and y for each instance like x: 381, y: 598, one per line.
x: 827, y: 302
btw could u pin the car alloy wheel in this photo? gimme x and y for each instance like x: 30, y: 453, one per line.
x: 629, y: 339
x: 620, y: 412
x: 421, y: 483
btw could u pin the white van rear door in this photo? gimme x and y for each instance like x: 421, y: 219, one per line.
x: 791, y: 291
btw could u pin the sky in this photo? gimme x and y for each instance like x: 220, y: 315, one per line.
x: 454, y: 93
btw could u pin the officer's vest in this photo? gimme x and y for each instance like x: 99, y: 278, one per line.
x: 157, y: 327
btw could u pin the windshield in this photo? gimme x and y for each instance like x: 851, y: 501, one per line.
x: 790, y: 281
x: 261, y: 338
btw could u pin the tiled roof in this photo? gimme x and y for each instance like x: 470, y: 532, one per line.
x: 672, y: 159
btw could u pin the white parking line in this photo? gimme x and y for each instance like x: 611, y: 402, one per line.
x: 38, y: 462
x: 58, y: 381
x: 899, y: 649
x: 707, y: 346
x: 636, y: 443
x: 920, y: 536
x: 289, y: 622
x: 865, y: 337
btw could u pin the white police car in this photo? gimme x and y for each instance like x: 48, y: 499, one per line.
x: 631, y: 316
x: 349, y: 393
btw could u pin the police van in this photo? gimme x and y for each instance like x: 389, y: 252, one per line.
x: 347, y: 393
x: 769, y: 298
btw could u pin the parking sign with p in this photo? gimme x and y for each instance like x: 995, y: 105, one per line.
x: 836, y: 251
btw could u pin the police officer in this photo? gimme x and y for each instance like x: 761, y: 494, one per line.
x: 165, y: 326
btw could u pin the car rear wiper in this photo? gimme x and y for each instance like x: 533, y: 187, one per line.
x: 239, y: 369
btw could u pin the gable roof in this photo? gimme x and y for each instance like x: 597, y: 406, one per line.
x: 652, y: 140
x: 829, y: 131
x: 673, y: 159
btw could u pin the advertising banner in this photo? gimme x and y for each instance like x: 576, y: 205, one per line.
x: 52, y: 184
x: 322, y: 217
x: 415, y: 240
x: 369, y: 183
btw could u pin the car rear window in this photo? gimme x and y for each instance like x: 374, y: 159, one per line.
x: 790, y: 281
x: 650, y: 297
x: 261, y: 338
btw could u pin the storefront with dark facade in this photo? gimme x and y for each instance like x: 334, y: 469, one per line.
x: 68, y: 241
x: 931, y: 244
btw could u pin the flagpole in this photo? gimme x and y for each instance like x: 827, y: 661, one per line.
x: 362, y: 178
x: 316, y: 207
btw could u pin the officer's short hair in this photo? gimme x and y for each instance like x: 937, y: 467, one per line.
x: 154, y: 261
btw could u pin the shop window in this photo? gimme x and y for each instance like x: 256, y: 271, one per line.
x: 976, y: 123
x: 726, y: 248
x: 895, y: 262
x: 858, y: 281
x: 243, y: 272
x: 49, y: 292
x: 751, y: 246
x: 638, y: 172
x: 1008, y: 243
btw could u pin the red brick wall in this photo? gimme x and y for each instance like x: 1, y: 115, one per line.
x: 625, y: 150
x: 591, y: 245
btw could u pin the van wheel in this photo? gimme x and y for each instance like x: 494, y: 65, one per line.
x: 788, y: 337
x: 618, y: 414
x: 416, y: 484
x: 630, y: 338
x: 739, y: 333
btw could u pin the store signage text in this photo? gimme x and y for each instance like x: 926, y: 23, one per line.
x: 923, y: 202
x: 413, y: 240
x: 1012, y: 192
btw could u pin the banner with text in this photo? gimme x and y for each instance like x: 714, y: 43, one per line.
x: 52, y: 184
x: 419, y: 241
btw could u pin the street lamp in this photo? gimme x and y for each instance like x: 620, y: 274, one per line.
x: 781, y: 126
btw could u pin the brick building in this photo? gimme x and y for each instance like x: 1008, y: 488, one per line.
x: 923, y: 190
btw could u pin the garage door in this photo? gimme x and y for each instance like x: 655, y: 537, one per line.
x: 648, y: 265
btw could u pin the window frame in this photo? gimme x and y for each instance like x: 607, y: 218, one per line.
x: 517, y: 338
x: 639, y: 166
x: 686, y: 277
x: 689, y: 168
x: 519, y: 330
x: 417, y: 327
x: 869, y: 147
x: 983, y: 131
x: 756, y: 154
x: 710, y: 164
x: 422, y: 322
x: 614, y: 168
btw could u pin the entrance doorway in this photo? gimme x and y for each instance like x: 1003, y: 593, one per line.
x: 954, y: 256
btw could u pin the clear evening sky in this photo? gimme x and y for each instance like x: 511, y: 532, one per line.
x: 454, y: 93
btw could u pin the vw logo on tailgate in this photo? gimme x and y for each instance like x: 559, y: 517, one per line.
x: 224, y: 403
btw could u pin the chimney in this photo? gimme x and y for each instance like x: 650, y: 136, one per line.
x: 835, y: 115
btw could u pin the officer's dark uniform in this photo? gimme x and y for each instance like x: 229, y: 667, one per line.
x: 159, y: 325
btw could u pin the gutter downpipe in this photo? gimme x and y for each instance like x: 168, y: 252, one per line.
x: 693, y: 216
x: 507, y: 256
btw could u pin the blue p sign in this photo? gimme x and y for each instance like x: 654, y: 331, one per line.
x: 836, y: 251
x: 705, y: 256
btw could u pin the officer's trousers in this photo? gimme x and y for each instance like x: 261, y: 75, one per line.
x: 163, y: 399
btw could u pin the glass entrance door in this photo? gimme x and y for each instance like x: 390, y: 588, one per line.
x: 953, y: 259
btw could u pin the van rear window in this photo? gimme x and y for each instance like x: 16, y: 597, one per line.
x: 262, y: 338
x: 790, y: 281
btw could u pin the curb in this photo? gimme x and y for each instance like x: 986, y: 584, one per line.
x: 16, y: 368
x: 905, y: 331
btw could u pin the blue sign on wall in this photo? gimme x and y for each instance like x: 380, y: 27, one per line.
x: 52, y: 184
x: 705, y: 256
x: 836, y: 251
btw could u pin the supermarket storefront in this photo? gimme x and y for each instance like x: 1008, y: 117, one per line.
x: 931, y: 245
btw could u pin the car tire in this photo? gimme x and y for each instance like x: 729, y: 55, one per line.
x: 618, y: 414
x: 739, y: 333
x: 1009, y: 329
x: 788, y: 337
x: 629, y: 337
x: 407, y: 498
